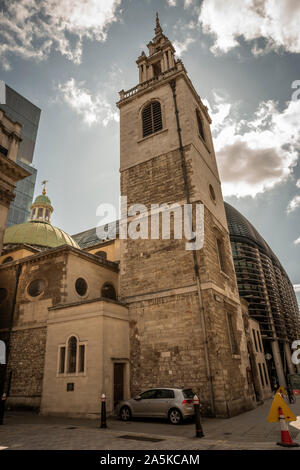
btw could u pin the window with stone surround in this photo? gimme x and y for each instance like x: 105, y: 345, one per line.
x: 221, y: 254
x: 200, y: 124
x: 152, y: 118
x: 71, y: 357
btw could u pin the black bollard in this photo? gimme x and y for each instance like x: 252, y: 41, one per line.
x: 103, y: 411
x: 2, y: 407
x: 199, y: 430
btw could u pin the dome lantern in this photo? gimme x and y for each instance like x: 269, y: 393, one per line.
x: 41, y: 209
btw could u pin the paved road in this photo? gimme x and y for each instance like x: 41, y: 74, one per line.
x: 247, y: 431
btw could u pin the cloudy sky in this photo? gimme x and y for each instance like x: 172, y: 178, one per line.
x: 71, y: 57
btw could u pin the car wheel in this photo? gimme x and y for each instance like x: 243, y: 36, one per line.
x: 175, y: 417
x: 125, y: 413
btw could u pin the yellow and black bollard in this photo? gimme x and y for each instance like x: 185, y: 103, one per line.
x: 199, y: 430
x: 103, y: 411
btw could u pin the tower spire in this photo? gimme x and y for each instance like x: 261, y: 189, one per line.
x: 158, y: 28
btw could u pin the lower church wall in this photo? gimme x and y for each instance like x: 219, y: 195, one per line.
x: 26, y: 365
x: 167, y: 351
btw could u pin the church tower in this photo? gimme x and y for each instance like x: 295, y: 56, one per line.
x: 185, y: 313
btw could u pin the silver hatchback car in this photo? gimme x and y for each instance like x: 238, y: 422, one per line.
x: 175, y: 404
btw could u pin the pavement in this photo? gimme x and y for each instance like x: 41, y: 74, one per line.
x: 248, y: 431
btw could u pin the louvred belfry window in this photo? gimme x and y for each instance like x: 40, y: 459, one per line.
x: 152, y: 120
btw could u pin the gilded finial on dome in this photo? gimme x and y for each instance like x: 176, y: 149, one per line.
x: 44, y: 188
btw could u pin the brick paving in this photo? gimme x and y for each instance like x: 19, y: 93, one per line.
x: 249, y: 431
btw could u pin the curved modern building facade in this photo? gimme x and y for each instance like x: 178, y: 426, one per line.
x: 263, y: 282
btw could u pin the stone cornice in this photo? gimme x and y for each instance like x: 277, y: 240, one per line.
x: 12, y: 170
x: 53, y: 252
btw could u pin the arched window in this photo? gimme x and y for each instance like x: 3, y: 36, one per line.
x: 152, y: 119
x: 102, y: 254
x: 200, y: 124
x: 7, y: 259
x: 72, y: 355
x: 108, y: 291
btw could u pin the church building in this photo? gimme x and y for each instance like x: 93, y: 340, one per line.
x: 85, y: 316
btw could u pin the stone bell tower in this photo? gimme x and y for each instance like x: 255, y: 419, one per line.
x: 185, y: 313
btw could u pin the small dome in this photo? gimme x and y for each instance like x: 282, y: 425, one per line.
x: 38, y: 234
x: 42, y: 199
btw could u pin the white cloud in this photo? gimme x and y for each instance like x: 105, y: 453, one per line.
x: 182, y: 46
x: 277, y: 21
x: 298, y: 183
x: 297, y: 287
x: 297, y: 242
x: 257, y: 154
x: 172, y: 3
x: 33, y: 28
x: 293, y: 204
x: 92, y: 108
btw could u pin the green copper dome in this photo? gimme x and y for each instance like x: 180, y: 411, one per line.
x: 42, y: 199
x: 38, y: 233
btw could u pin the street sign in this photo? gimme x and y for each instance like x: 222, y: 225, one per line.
x: 277, y: 403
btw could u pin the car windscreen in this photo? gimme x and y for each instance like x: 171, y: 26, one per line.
x: 188, y: 393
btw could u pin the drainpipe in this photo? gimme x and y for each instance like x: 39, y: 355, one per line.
x: 196, y: 266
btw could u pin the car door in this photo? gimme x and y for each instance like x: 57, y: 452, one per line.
x: 162, y: 402
x: 143, y: 405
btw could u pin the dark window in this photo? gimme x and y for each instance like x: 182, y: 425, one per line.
x: 161, y: 393
x: 234, y: 346
x: 3, y: 150
x: 254, y: 337
x: 62, y: 360
x: 108, y: 291
x: 200, y: 124
x: 148, y: 394
x: 70, y: 387
x: 40, y: 213
x: 152, y: 119
x: 259, y: 341
x: 221, y: 254
x: 3, y: 294
x: 36, y: 287
x: 212, y: 192
x: 72, y: 352
x: 81, y: 358
x: 266, y: 375
x: 81, y: 286
x: 261, y: 375
x: 156, y: 69
x: 102, y: 254
x: 7, y: 259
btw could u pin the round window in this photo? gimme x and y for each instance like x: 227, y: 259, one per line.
x: 81, y: 286
x: 212, y: 192
x: 3, y: 294
x: 36, y: 287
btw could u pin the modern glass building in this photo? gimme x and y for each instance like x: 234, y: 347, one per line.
x: 23, y: 111
x: 263, y: 282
